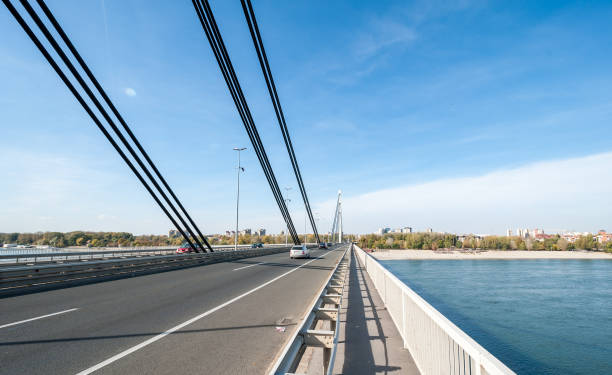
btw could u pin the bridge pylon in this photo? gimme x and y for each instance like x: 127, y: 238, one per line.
x: 337, y: 223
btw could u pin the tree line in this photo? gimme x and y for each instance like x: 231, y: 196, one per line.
x: 83, y: 238
x: 434, y: 241
x: 125, y: 239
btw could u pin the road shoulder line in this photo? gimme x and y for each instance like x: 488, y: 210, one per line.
x: 37, y: 318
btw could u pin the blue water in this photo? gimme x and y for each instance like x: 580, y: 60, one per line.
x: 545, y: 316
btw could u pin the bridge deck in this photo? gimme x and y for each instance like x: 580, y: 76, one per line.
x: 222, y: 318
x: 369, y: 342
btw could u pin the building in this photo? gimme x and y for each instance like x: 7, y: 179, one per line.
x: 406, y: 230
x: 245, y: 232
x: 542, y: 236
x: 509, y: 233
x: 382, y: 231
x: 261, y: 232
x: 603, y: 237
x: 429, y: 230
x: 570, y: 237
x: 173, y: 233
x: 473, y: 237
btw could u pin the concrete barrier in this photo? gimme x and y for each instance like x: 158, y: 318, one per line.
x: 436, y: 344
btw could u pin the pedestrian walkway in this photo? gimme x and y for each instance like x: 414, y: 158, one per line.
x: 369, y: 342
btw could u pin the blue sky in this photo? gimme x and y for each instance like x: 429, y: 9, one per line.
x: 407, y: 96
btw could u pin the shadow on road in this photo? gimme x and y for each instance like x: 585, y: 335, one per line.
x: 148, y: 334
x: 287, y: 265
x: 259, y: 262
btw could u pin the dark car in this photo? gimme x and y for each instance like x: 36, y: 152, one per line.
x: 322, y: 245
x: 256, y: 245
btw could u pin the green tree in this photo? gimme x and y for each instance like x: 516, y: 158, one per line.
x: 562, y: 244
x: 585, y: 243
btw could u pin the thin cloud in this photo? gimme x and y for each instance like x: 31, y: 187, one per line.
x: 574, y: 194
x: 336, y: 125
x: 383, y: 34
x: 130, y: 91
x: 103, y: 217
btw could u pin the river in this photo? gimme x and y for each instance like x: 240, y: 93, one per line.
x: 545, y: 316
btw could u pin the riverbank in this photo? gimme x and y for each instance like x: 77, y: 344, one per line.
x: 487, y: 254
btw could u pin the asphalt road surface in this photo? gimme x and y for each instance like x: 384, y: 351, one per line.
x: 215, y: 319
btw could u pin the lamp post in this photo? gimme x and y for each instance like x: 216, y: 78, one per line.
x: 305, y: 235
x: 317, y: 219
x: 239, y: 169
x: 286, y: 201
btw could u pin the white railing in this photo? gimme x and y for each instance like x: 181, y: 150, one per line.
x: 436, y: 344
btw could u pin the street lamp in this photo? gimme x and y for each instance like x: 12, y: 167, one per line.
x: 305, y: 235
x: 239, y: 169
x: 286, y: 201
x: 317, y: 219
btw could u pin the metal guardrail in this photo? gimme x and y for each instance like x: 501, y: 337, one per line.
x: 35, y: 258
x: 437, y: 345
x: 45, y: 250
x: 325, y: 308
x: 20, y: 277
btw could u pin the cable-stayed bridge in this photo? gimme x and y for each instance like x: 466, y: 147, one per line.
x: 225, y: 310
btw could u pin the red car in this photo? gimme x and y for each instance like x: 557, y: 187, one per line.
x: 184, y: 248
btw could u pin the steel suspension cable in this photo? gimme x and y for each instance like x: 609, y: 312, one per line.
x: 234, y: 86
x: 89, y: 92
x: 225, y: 74
x: 90, y: 112
x: 124, y: 124
x: 249, y: 14
x: 214, y: 37
x: 247, y: 112
x: 104, y: 113
x: 238, y: 104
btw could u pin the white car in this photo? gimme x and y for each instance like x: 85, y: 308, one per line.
x: 299, y: 251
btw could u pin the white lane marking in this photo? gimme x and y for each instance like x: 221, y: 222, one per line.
x: 38, y: 317
x: 184, y: 324
x: 252, y: 265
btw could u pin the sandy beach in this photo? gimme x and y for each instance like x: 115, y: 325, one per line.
x: 487, y: 254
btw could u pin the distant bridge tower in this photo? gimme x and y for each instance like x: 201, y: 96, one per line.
x: 337, y: 224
